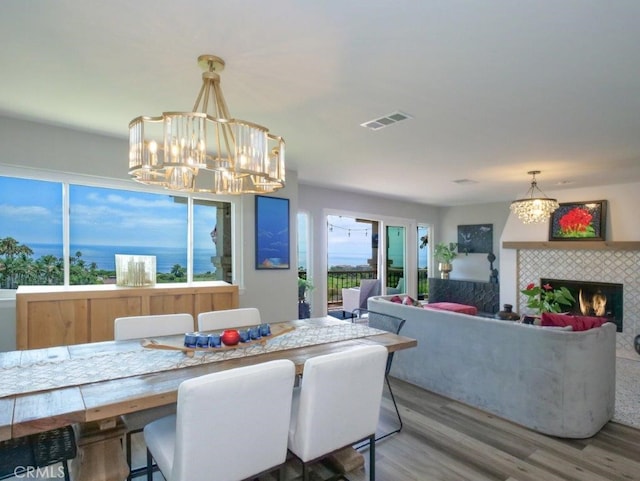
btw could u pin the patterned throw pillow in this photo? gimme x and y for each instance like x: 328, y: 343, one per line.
x: 578, y: 323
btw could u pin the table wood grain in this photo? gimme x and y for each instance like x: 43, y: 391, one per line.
x: 25, y: 414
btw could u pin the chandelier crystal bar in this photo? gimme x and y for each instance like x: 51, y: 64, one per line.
x: 535, y: 206
x: 206, y: 150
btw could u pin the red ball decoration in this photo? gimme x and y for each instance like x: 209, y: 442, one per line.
x: 230, y: 337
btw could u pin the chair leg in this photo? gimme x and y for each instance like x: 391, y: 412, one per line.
x: 65, y: 467
x: 395, y: 405
x: 128, y: 453
x: 372, y: 458
x: 149, y: 466
x: 305, y: 472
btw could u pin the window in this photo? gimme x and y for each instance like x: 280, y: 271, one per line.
x: 103, y: 222
x: 31, y: 248
x: 211, y: 240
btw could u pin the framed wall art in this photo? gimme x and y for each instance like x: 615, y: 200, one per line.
x: 272, y: 233
x: 579, y: 221
x: 475, y: 239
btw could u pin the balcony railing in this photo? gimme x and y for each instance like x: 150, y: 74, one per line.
x: 338, y: 279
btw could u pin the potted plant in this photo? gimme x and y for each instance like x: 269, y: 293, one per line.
x: 304, y: 285
x: 444, y: 254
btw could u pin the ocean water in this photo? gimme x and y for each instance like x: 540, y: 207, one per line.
x: 104, y: 256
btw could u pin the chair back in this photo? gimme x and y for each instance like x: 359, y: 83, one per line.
x: 386, y: 322
x: 233, y: 424
x: 134, y: 327
x: 228, y: 318
x: 368, y: 288
x: 338, y: 402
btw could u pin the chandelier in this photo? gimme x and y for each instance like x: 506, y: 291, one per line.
x: 535, y: 206
x: 206, y: 150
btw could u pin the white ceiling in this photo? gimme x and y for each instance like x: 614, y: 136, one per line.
x: 495, y: 88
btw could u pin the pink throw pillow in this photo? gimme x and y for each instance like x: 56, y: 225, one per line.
x: 396, y: 299
x: 452, y: 306
x: 578, y: 323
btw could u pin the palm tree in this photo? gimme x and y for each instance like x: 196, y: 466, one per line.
x: 10, y: 248
x: 177, y: 270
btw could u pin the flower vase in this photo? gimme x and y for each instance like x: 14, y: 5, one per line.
x: 445, y: 268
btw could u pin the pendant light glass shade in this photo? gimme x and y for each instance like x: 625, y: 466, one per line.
x: 535, y: 206
x: 206, y: 150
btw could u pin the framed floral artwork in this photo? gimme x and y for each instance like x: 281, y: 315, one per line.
x: 579, y: 221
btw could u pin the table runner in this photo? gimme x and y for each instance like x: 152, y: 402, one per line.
x: 43, y: 376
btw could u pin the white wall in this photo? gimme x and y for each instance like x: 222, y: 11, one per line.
x: 273, y: 292
x: 473, y: 266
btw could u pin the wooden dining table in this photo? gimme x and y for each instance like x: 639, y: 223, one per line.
x: 95, y: 406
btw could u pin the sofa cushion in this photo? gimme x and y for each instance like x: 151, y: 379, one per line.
x: 452, y: 306
x: 578, y: 323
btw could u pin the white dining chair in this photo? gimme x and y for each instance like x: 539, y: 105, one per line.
x: 230, y: 425
x: 337, y: 404
x: 228, y: 318
x: 134, y: 327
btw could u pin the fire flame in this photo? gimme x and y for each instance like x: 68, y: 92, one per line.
x: 596, y: 305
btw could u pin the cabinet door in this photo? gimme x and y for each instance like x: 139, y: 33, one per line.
x: 57, y: 323
x: 214, y: 301
x: 171, y: 303
x: 103, y: 312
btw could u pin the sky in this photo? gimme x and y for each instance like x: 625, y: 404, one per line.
x: 31, y: 212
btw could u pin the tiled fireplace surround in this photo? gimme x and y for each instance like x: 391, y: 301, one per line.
x: 614, y: 266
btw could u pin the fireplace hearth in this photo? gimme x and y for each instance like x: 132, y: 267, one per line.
x: 599, y: 299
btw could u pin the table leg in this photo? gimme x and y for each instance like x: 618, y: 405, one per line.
x: 100, y: 454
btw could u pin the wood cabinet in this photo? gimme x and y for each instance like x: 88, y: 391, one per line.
x: 57, y: 315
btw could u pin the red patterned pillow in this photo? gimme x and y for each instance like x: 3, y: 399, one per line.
x: 452, y: 306
x: 396, y: 299
x: 578, y: 323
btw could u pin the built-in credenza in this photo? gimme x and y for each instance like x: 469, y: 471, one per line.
x: 485, y: 296
x: 57, y: 315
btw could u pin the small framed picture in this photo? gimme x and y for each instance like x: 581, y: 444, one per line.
x: 579, y: 221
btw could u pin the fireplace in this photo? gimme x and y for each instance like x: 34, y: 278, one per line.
x: 598, y: 299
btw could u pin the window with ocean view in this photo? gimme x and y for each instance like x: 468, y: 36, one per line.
x: 103, y: 222
x: 30, y: 232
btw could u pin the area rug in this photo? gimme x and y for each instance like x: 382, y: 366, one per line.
x: 627, y: 410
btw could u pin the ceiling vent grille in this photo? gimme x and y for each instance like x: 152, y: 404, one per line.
x: 389, y: 119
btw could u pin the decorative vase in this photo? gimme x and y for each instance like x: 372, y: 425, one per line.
x: 507, y: 314
x: 230, y: 337
x: 445, y: 268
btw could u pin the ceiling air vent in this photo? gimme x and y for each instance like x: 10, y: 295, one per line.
x: 465, y: 181
x: 389, y: 119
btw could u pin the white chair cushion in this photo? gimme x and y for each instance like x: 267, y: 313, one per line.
x: 230, y: 425
x: 135, y: 327
x: 338, y: 402
x: 160, y: 437
x: 228, y: 319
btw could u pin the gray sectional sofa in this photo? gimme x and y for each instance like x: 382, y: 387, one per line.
x: 554, y: 381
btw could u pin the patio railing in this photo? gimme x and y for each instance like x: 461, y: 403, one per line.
x: 339, y: 279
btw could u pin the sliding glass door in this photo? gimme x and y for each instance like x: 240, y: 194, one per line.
x: 394, y: 276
